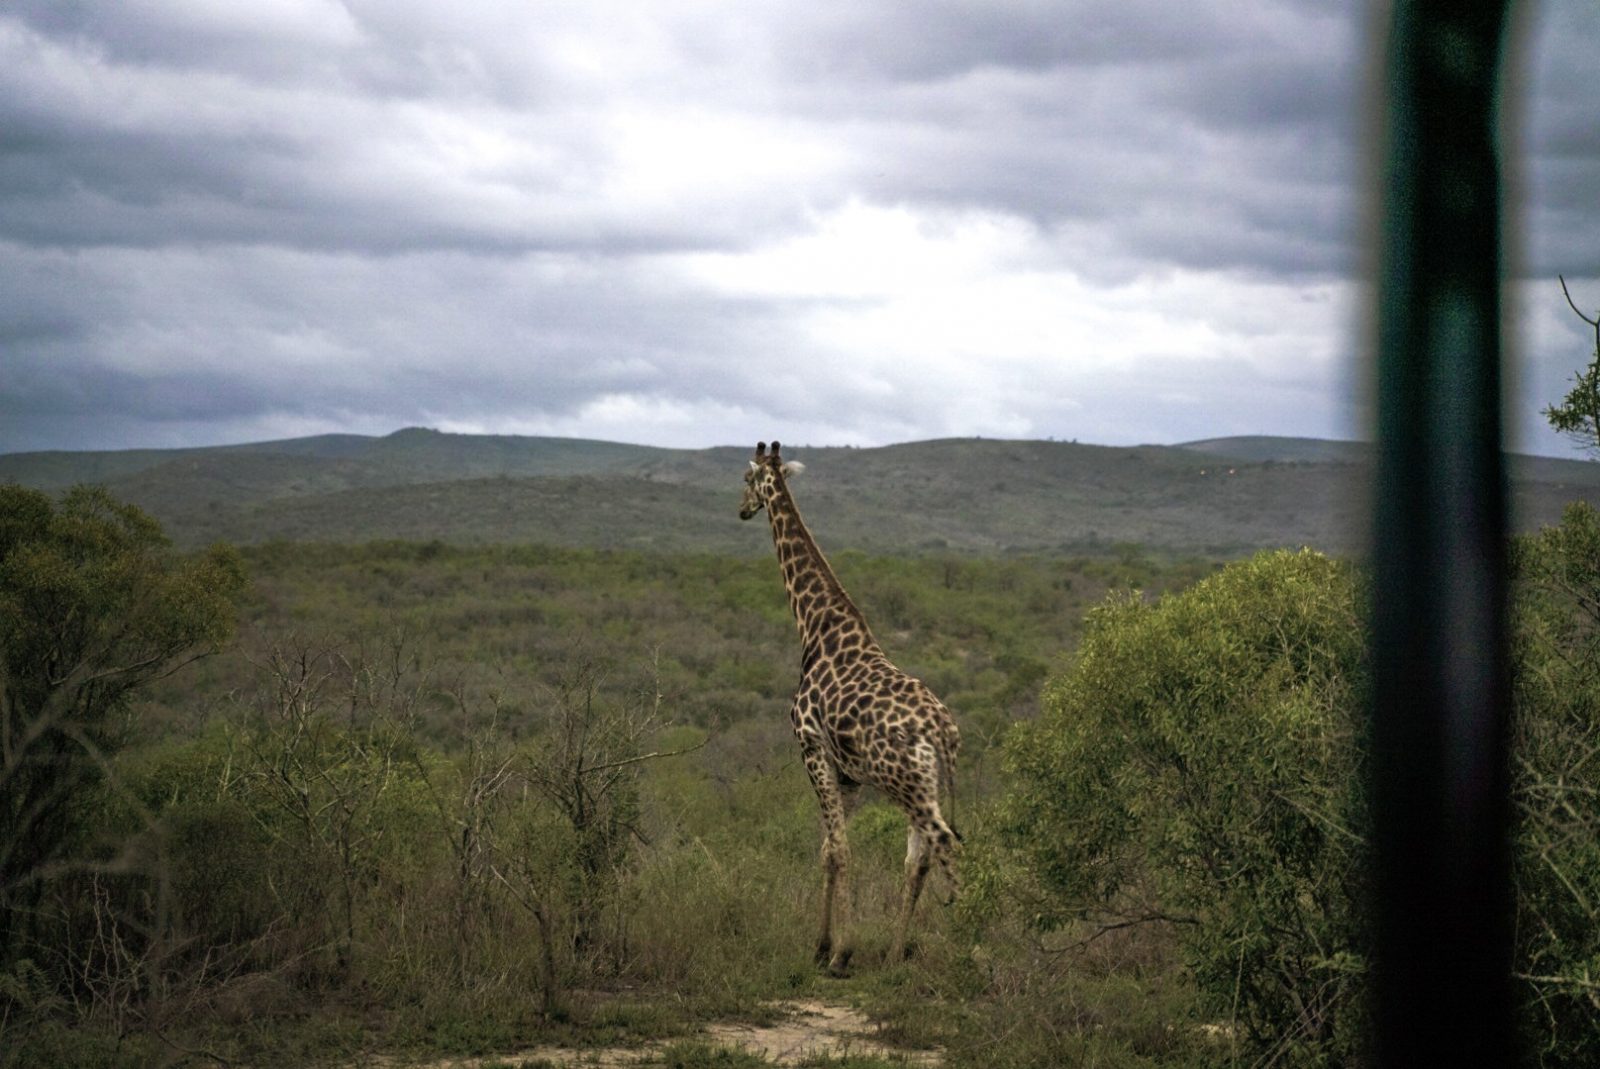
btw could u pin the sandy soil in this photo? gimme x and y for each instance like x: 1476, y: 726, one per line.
x: 815, y: 1028
x: 808, y: 1028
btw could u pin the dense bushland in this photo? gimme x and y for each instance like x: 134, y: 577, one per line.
x: 1556, y: 788
x: 313, y: 855
x: 462, y: 799
x: 466, y: 790
x: 716, y: 630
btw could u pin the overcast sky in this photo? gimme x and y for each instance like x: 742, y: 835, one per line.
x: 692, y: 224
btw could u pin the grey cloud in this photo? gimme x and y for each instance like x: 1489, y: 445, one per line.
x: 242, y: 220
x: 1559, y: 137
x: 884, y: 41
x: 27, y: 328
x: 155, y: 35
x: 1273, y: 202
x: 405, y: 340
x: 1075, y: 129
x: 1133, y: 116
x: 313, y: 161
x: 92, y: 393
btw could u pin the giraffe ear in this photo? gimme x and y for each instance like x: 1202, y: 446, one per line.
x: 754, y: 466
x: 793, y: 467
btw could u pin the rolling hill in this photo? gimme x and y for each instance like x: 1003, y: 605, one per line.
x: 1220, y: 497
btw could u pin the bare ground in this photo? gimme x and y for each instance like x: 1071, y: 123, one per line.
x: 808, y: 1029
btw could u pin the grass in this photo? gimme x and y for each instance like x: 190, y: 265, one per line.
x: 696, y: 1055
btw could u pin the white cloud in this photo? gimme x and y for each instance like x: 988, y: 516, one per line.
x: 966, y: 323
x: 861, y: 251
x: 626, y: 417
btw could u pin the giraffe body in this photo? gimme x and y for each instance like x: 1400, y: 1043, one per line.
x: 858, y: 718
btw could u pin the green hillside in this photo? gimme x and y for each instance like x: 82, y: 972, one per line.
x: 1221, y: 497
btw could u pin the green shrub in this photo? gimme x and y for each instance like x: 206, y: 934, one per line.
x: 1198, y: 765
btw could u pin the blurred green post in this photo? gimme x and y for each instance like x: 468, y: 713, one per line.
x: 1442, y: 899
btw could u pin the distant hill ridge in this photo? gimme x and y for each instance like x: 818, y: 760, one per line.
x: 1257, y: 449
x: 1223, y: 496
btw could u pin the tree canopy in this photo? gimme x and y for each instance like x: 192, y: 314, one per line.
x: 93, y: 605
x: 1578, y: 414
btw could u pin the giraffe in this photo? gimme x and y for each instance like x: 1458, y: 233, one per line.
x: 858, y: 718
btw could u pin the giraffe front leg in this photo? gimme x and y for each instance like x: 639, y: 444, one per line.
x: 833, y: 949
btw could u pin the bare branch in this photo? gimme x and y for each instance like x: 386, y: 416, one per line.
x: 1560, y: 981
x: 1154, y: 917
x: 644, y: 757
x: 1595, y: 323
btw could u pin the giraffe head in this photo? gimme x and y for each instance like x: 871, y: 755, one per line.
x: 762, y: 481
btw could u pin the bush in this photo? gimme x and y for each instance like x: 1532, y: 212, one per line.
x: 1556, y: 788
x: 1198, y: 766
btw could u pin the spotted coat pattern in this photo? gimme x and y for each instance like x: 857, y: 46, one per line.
x: 858, y: 718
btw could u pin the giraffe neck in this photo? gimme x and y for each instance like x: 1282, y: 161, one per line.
x: 822, y: 609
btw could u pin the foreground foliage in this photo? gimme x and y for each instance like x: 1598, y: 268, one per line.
x: 1556, y: 788
x: 93, y: 607
x: 1200, y: 767
x: 451, y: 789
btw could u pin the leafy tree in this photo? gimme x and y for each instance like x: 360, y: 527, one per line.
x: 1578, y: 415
x: 93, y: 605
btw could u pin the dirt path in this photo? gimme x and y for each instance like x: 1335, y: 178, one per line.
x: 808, y: 1028
x: 813, y: 1028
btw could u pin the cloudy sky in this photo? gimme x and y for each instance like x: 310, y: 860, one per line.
x: 697, y: 223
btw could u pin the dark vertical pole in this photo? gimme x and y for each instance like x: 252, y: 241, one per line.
x: 1441, y: 692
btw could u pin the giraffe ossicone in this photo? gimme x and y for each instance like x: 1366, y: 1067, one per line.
x: 858, y: 718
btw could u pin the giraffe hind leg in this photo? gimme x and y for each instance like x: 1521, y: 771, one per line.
x: 946, y: 845
x: 917, y: 864
x: 843, y: 949
x: 930, y: 841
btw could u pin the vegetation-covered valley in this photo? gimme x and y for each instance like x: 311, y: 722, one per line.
x: 424, y: 799
x: 1223, y: 498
